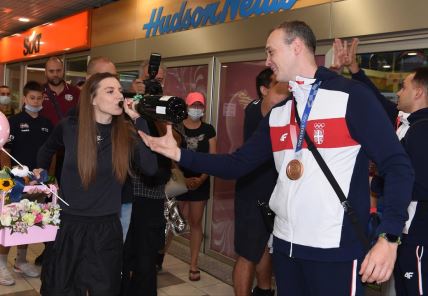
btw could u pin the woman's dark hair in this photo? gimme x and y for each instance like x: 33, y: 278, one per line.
x: 122, y: 136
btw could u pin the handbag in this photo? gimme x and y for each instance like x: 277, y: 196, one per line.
x: 174, y: 187
x: 174, y: 219
x: 176, y: 184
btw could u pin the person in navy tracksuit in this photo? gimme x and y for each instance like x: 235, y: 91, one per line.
x: 316, y: 250
x: 412, y: 111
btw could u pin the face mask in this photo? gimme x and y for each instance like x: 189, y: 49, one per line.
x: 33, y: 109
x: 4, y: 100
x: 195, y: 114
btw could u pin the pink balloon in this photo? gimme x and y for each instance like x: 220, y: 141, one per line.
x: 4, y: 129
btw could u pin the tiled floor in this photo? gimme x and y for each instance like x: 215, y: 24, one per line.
x: 173, y: 280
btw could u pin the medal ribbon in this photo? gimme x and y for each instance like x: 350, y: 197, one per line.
x: 306, y: 112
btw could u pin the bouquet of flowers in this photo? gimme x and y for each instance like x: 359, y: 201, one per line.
x: 19, y: 214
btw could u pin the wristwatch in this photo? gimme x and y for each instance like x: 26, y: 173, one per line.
x: 391, y: 238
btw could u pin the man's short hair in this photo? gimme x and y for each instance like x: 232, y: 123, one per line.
x: 55, y: 59
x: 32, y: 86
x: 264, y: 78
x: 145, y: 64
x: 421, y: 78
x: 4, y: 86
x: 299, y: 29
x: 90, y: 70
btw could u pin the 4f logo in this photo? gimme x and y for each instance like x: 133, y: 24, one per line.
x: 32, y: 43
x: 283, y: 137
x: 408, y: 275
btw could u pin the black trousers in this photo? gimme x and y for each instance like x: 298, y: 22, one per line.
x: 85, y: 259
x: 146, y: 236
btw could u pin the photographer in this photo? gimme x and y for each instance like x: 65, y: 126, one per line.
x: 160, y: 75
x: 146, y: 235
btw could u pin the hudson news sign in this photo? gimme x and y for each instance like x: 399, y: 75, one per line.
x: 211, y: 13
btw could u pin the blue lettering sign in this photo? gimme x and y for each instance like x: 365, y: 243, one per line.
x: 200, y: 16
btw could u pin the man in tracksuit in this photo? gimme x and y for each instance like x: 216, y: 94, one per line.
x: 410, y: 271
x: 316, y: 250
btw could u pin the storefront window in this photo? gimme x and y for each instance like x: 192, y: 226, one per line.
x: 179, y: 81
x: 126, y: 78
x: 36, y: 71
x: 75, y: 69
x: 388, y: 69
x: 13, y: 80
x: 237, y: 89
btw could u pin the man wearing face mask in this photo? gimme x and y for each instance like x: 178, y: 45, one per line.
x: 5, y: 101
x: 28, y: 132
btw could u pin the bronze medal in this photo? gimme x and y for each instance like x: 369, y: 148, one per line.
x: 294, y: 169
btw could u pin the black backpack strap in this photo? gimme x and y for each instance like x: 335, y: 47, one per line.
x: 359, y: 230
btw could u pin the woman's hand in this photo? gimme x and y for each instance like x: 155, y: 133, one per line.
x: 129, y: 108
x: 37, y: 173
x: 194, y: 183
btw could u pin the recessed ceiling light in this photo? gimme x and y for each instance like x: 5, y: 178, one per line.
x: 412, y: 53
x: 386, y: 66
x: 24, y: 19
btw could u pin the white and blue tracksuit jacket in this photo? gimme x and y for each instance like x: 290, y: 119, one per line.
x: 349, y: 127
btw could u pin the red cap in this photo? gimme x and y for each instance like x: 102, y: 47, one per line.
x: 195, y: 97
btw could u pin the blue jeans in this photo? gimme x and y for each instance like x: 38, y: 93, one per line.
x: 125, y: 218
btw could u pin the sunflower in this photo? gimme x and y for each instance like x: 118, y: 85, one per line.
x: 6, y: 184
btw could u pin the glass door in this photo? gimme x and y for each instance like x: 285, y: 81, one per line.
x: 75, y: 69
x: 15, y: 82
x: 35, y: 71
x: 235, y: 89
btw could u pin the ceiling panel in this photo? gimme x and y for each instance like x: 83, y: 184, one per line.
x: 39, y: 12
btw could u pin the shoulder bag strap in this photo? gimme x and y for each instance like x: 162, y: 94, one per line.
x: 343, y: 200
x: 52, y: 98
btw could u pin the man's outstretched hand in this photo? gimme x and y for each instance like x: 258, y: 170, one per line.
x: 166, y: 145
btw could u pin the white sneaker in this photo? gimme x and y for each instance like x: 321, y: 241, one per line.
x: 27, y: 269
x: 6, y: 278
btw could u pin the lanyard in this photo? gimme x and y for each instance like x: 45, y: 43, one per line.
x: 305, y: 116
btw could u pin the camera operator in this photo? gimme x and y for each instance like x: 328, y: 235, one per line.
x: 145, y: 76
x: 146, y: 235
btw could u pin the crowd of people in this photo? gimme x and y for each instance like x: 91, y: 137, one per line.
x: 308, y: 140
